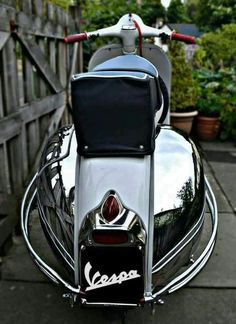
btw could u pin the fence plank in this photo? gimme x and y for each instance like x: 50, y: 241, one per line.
x: 10, y: 79
x: 32, y: 132
x: 42, y: 85
x: 1, y: 95
x: 10, y: 126
x: 42, y: 107
x: 50, y: 10
x: 35, y: 54
x: 24, y: 130
x: 26, y: 7
x: 38, y: 7
x: 15, y: 164
x: 27, y: 79
x: 62, y: 70
x: 10, y: 3
x: 3, y: 38
x: 55, y: 120
x: 2, y: 170
x: 5, y: 159
x: 9, y: 216
x: 25, y: 162
x: 52, y: 54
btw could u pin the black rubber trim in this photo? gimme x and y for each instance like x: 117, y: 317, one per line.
x: 165, y: 94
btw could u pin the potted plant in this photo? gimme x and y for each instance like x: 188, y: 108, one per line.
x: 210, y: 104
x: 183, y: 90
x: 228, y: 114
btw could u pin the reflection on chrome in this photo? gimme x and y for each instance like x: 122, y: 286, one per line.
x: 179, y: 210
x: 126, y: 220
x: 56, y: 183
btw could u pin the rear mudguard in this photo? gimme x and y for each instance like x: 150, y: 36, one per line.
x: 162, y: 198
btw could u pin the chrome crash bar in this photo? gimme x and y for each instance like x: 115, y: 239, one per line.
x: 182, y: 279
x: 172, y: 286
x: 25, y: 214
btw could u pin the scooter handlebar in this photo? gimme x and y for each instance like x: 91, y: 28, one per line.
x: 174, y: 36
x: 75, y: 38
x: 183, y: 38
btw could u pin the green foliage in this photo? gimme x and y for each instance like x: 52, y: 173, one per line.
x: 228, y: 120
x: 217, y: 98
x: 220, y: 47
x: 212, y: 14
x: 183, y: 88
x: 192, y: 9
x: 104, y: 13
x: 228, y: 114
x: 150, y: 10
x: 61, y: 3
x: 177, y: 12
x: 209, y: 102
x: 216, y: 59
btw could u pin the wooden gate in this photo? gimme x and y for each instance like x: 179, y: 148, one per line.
x: 35, y: 69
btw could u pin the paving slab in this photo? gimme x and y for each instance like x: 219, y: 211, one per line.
x: 42, y: 303
x: 222, y: 201
x: 27, y: 297
x: 220, y: 271
x: 226, y: 176
x: 195, y: 306
x: 218, y: 146
x: 221, y: 156
x: 18, y: 265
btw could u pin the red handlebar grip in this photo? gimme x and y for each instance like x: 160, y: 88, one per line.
x: 76, y: 38
x: 183, y: 38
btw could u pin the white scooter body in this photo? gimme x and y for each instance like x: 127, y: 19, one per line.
x: 122, y: 222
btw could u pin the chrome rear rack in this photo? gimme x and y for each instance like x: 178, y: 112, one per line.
x: 175, y: 284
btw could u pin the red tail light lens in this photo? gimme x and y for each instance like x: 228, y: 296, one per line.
x: 110, y: 237
x: 110, y: 209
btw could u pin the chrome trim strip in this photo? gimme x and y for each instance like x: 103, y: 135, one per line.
x: 55, y: 239
x: 181, y: 245
x: 150, y: 237
x: 61, y: 157
x: 87, y: 75
x: 174, y: 285
x: 25, y: 210
x: 187, y: 275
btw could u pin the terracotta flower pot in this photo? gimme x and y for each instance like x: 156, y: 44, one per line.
x: 207, y: 128
x: 183, y: 121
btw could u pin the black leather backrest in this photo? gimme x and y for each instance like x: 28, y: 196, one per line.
x: 113, y: 113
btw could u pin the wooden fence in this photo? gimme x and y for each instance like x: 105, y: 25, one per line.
x: 35, y: 69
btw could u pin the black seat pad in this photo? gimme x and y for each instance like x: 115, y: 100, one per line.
x: 113, y: 113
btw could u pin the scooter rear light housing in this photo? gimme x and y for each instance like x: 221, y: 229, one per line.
x: 110, y: 208
x: 110, y: 237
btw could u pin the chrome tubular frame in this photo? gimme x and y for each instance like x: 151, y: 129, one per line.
x: 25, y: 214
x: 172, y: 286
x: 182, y: 279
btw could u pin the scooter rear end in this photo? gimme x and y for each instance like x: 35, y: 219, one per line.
x: 121, y: 198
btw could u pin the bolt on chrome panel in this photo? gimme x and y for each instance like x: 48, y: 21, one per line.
x: 187, y: 275
x: 179, y: 193
x: 56, y: 183
x: 172, y: 286
x: 59, y: 160
x: 129, y: 177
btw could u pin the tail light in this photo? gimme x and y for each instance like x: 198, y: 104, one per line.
x: 110, y: 237
x: 110, y: 208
